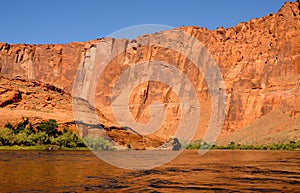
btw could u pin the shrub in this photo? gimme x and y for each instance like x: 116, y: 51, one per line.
x: 99, y: 143
x: 21, y: 126
x: 44, y: 134
x: 231, y: 145
x: 205, y: 145
x: 9, y: 126
x: 49, y: 127
x: 41, y: 138
x: 194, y: 145
x: 21, y: 138
x: 7, y: 137
x: 69, y: 139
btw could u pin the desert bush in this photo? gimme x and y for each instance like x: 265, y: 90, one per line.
x: 193, y: 145
x: 9, y: 126
x: 6, y: 137
x: 21, y: 138
x: 283, y: 146
x: 69, y: 139
x: 99, y: 143
x: 232, y: 145
x: 23, y: 134
x: 41, y: 138
x: 49, y: 127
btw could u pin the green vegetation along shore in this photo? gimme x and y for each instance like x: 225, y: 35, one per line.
x: 46, y: 136
x: 292, y: 145
x: 41, y: 148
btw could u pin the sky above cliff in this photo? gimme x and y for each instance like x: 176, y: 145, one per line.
x: 63, y: 21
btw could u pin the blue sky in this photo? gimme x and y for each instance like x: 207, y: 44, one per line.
x: 63, y: 21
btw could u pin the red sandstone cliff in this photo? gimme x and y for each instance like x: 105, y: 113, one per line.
x: 259, y: 60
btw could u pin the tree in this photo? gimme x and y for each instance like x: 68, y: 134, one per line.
x: 49, y: 127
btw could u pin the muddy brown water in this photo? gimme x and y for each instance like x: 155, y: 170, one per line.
x: 216, y: 171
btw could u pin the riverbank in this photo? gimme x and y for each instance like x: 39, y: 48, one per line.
x: 41, y: 148
x: 292, y: 145
x: 57, y: 148
x: 45, y: 136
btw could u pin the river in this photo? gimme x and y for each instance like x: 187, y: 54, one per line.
x: 216, y: 171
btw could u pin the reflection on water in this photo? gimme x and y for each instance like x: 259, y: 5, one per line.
x: 82, y: 171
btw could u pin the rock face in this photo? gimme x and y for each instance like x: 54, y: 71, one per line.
x: 33, y: 100
x: 38, y: 102
x: 259, y: 61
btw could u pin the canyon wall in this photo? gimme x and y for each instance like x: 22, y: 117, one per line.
x: 259, y: 61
